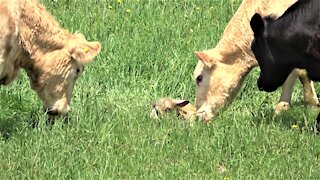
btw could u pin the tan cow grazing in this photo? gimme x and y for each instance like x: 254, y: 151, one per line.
x: 30, y: 38
x: 220, y: 71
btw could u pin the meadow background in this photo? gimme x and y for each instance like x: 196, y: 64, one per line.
x: 147, y: 53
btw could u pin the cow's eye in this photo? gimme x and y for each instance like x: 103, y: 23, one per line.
x: 199, y: 79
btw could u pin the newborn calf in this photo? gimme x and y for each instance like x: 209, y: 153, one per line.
x: 183, y: 108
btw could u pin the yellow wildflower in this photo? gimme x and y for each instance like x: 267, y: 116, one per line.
x: 110, y: 7
x: 128, y: 11
x: 120, y: 1
x: 294, y: 126
x: 226, y: 178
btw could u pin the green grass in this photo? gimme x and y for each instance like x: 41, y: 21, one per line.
x: 148, y: 54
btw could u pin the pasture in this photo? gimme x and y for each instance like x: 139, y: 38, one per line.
x: 147, y: 53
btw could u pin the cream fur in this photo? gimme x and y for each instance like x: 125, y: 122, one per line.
x: 52, y: 57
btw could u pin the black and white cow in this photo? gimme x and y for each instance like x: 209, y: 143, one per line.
x: 292, y: 41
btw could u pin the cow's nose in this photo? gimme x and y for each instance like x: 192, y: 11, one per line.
x: 205, y: 116
x: 51, y: 112
x: 260, y: 87
x: 55, y: 111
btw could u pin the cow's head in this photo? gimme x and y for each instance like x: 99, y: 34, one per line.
x: 267, y: 51
x: 218, y: 78
x: 53, y: 75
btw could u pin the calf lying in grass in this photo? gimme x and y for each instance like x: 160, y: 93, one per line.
x: 292, y: 41
x: 183, y: 108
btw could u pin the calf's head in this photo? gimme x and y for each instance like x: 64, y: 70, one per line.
x: 53, y: 75
x: 268, y: 53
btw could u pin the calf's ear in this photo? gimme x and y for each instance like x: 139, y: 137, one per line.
x: 180, y: 103
x: 257, y: 24
x: 205, y: 58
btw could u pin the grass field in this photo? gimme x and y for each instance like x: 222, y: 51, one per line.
x: 147, y: 53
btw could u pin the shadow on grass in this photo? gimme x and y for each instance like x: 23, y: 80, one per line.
x: 19, y: 121
x: 297, y: 116
x: 10, y: 125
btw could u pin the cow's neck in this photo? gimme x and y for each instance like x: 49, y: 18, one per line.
x: 222, y: 93
x: 238, y: 36
x: 40, y: 33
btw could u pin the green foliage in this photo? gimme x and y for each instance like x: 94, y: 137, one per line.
x: 147, y: 53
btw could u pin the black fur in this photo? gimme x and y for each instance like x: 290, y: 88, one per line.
x: 292, y: 41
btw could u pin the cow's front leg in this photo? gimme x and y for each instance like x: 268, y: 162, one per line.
x: 287, y: 87
x: 310, y: 96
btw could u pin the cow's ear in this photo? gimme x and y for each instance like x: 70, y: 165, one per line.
x: 86, y: 52
x: 257, y: 24
x: 83, y: 50
x: 205, y: 58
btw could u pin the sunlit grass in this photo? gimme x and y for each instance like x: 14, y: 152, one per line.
x: 147, y: 53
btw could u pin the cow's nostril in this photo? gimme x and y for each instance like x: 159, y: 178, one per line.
x: 260, y: 88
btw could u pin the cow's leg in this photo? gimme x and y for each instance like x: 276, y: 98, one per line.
x: 310, y: 96
x: 286, y: 93
x: 317, y: 123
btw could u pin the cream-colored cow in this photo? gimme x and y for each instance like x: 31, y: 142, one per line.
x: 30, y: 38
x: 221, y: 70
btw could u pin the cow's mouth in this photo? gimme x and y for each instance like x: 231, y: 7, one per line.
x: 55, y: 115
x: 263, y: 86
x: 52, y: 112
x: 3, y: 80
x: 267, y: 88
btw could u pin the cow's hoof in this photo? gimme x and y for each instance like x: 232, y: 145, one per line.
x: 281, y: 106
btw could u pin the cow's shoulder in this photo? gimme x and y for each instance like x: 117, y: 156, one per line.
x: 273, y: 7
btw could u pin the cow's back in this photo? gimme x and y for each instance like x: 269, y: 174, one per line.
x: 9, y: 19
x: 238, y: 36
x: 296, y: 37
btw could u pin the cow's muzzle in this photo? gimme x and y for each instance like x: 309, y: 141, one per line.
x: 51, y: 112
x: 55, y: 112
